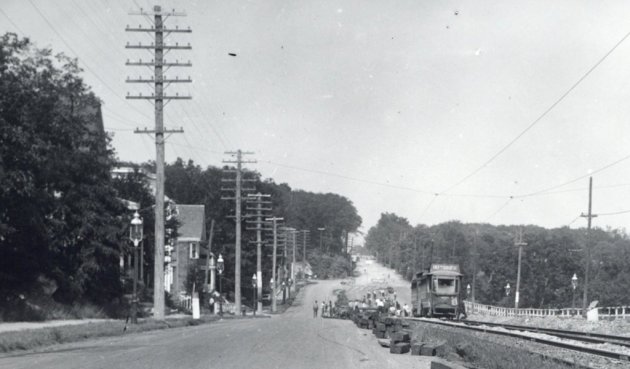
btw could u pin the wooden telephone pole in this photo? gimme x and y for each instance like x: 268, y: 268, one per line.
x: 587, y: 268
x: 305, y: 234
x: 274, y: 286
x: 518, y: 242
x: 158, y: 97
x: 258, y: 201
x: 237, y: 189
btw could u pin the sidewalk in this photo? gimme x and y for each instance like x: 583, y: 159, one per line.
x: 21, y: 326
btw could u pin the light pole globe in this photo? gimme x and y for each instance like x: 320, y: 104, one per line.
x: 135, y: 234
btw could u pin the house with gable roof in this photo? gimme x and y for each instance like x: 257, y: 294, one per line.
x: 187, y: 247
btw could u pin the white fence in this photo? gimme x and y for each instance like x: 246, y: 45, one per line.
x: 618, y: 312
x: 185, y: 302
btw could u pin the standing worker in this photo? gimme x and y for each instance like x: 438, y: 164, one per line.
x: 315, y: 306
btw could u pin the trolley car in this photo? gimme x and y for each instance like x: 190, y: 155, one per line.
x: 436, y: 292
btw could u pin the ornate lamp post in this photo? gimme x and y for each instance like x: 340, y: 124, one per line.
x: 290, y: 282
x: 284, y: 286
x: 254, y: 279
x: 220, y: 266
x: 135, y: 235
x: 321, y: 229
x: 468, y: 290
x: 574, y: 284
x: 273, y: 295
x: 507, y: 289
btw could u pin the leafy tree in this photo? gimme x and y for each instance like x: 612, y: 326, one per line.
x: 59, y: 217
x: 549, y: 259
x: 188, y: 183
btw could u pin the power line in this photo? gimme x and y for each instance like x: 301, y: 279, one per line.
x: 347, y: 177
x: 426, y: 208
x: 614, y: 213
x: 116, y: 129
x: 499, y: 209
x: 84, y: 64
x: 11, y: 21
x: 574, y: 179
x: 573, y: 221
x: 540, y: 117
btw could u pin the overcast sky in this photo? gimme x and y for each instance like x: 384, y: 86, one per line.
x: 386, y: 102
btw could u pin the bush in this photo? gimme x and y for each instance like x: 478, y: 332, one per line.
x: 330, y: 266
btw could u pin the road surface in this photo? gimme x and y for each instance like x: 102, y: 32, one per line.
x: 288, y: 341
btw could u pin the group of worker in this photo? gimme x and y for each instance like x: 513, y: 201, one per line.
x: 385, y: 303
x: 327, y: 309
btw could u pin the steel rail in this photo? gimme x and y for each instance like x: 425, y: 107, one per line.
x: 588, y: 350
x: 561, y: 333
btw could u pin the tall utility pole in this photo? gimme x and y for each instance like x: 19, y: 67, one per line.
x: 257, y: 200
x: 290, y: 241
x: 589, y: 217
x: 518, y: 242
x: 283, y: 269
x: 274, y: 286
x: 475, y: 258
x: 158, y: 97
x: 238, y: 189
x: 305, y: 234
x: 294, y: 234
x: 208, y: 254
x: 321, y: 231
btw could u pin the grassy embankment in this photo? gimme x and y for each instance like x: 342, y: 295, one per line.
x: 35, y: 338
x: 481, y: 353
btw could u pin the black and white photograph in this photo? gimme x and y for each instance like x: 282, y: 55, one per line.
x: 297, y: 184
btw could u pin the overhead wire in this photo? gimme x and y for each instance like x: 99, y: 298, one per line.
x: 544, y: 190
x: 345, y: 177
x: 541, y: 116
x: 11, y: 21
x: 613, y: 213
x: 499, y: 209
x: 96, y: 75
x: 574, y: 220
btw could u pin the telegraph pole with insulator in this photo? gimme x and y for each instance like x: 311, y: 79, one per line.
x: 159, y: 82
x: 257, y: 207
x: 587, y: 268
x: 238, y: 218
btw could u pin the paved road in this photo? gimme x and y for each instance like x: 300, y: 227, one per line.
x: 373, y: 277
x: 292, y: 340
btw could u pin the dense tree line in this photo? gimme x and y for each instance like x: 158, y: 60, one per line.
x: 63, y: 226
x: 60, y: 222
x: 189, y: 183
x: 488, y: 253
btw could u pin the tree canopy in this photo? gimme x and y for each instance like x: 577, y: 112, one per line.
x: 189, y: 183
x: 488, y: 252
x: 59, y: 217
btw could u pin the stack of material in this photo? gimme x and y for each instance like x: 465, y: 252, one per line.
x: 395, y: 334
x: 400, y: 342
x: 365, y: 319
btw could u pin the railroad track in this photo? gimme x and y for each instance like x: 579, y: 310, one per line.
x: 510, y: 332
x: 573, y: 335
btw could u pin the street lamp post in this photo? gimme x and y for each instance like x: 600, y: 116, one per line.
x: 289, y: 286
x: 284, y: 299
x: 254, y: 294
x: 574, y: 284
x: 507, y: 289
x: 321, y: 230
x: 135, y: 234
x: 468, y: 290
x: 220, y: 266
x: 272, y: 285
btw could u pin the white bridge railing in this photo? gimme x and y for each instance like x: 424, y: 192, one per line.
x: 617, y: 312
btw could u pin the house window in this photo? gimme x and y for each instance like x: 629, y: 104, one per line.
x: 193, y: 250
